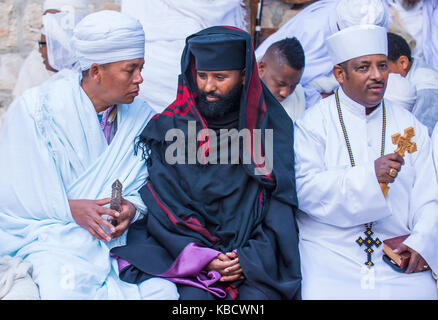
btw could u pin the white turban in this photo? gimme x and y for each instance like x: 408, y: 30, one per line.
x: 400, y: 91
x: 77, y: 7
x: 108, y: 36
x: 357, y: 41
x: 354, y: 12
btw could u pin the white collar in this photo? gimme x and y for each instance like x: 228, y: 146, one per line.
x: 356, y: 108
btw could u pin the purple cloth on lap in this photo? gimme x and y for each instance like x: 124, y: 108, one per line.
x: 188, y: 269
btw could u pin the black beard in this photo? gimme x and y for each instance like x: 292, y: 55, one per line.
x: 217, y: 109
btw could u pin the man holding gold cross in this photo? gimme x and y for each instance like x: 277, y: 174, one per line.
x: 356, y: 188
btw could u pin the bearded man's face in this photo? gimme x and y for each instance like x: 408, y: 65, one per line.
x: 219, y: 92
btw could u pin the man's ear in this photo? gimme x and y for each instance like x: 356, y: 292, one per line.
x: 262, y: 68
x: 95, y: 72
x: 339, y: 73
x: 403, y: 63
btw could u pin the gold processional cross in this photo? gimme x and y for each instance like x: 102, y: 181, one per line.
x: 403, y: 144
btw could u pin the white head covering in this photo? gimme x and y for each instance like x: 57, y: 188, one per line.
x: 108, y: 36
x: 354, y: 12
x: 400, y: 91
x: 357, y: 41
x: 58, y: 29
x: 77, y: 7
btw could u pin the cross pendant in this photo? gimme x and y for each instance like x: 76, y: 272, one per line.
x: 368, y: 242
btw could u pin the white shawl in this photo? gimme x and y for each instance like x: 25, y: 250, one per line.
x: 52, y: 150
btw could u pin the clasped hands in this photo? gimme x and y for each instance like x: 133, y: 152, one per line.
x: 227, y: 265
x: 88, y: 214
x: 387, y: 168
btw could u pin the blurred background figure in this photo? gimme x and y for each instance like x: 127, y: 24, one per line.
x: 417, y: 22
x: 53, y: 52
x: 419, y: 74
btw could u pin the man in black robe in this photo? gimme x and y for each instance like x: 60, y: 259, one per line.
x: 218, y: 229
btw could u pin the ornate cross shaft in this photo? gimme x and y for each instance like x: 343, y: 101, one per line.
x: 369, y: 242
x: 116, y: 198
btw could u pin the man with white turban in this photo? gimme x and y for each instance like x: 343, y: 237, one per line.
x: 417, y: 19
x: 59, y: 162
x: 343, y: 153
x: 54, y: 52
x: 312, y: 26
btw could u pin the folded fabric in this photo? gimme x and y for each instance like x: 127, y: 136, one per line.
x: 16, y: 280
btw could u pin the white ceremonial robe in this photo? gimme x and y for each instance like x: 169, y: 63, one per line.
x: 336, y: 200
x: 295, y: 103
x: 32, y: 73
x: 53, y: 149
x: 434, y: 138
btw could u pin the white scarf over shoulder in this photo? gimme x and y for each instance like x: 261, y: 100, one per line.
x: 53, y: 149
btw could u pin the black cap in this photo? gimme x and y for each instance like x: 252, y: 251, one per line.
x: 214, y: 52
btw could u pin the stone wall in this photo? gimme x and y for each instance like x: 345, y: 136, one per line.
x: 20, y: 26
x: 277, y: 12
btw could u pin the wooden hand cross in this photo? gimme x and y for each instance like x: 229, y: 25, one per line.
x: 404, y: 144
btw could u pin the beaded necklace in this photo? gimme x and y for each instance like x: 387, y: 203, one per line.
x: 368, y: 241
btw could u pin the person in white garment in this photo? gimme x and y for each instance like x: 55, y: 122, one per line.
x: 281, y: 69
x: 418, y: 19
x: 421, y: 75
x: 343, y: 150
x: 37, y: 67
x: 400, y: 91
x: 167, y: 24
x: 312, y: 26
x: 59, y: 162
